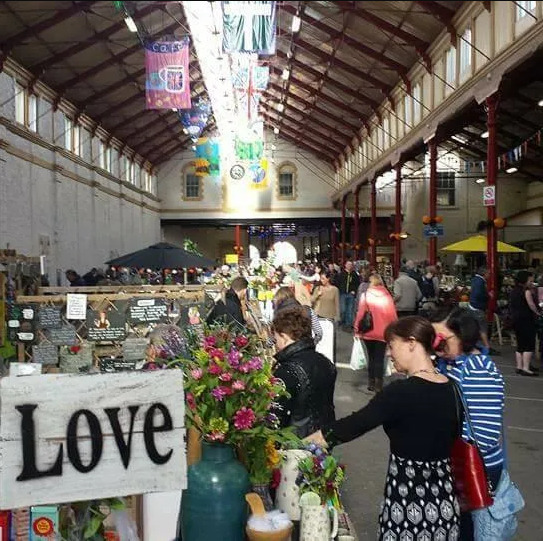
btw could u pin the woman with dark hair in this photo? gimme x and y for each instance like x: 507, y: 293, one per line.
x: 419, y: 417
x: 463, y: 359
x: 309, y: 376
x: 325, y: 298
x: 524, y: 313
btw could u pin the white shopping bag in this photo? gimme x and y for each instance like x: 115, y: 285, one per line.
x: 359, y: 354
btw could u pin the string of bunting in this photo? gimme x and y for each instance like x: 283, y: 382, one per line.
x: 505, y: 159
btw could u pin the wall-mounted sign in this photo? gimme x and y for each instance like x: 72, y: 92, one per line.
x: 433, y: 230
x: 45, y: 353
x: 147, y: 311
x: 107, y: 325
x: 63, y: 336
x: 237, y: 171
x: 49, y: 317
x: 489, y: 196
x: 69, y: 438
x: 76, y: 306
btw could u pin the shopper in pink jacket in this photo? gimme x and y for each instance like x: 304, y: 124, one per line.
x: 380, y: 303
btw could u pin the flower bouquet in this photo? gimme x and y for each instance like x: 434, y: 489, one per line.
x: 322, y: 474
x: 230, y: 394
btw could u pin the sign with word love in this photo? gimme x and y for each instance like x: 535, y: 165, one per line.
x: 66, y: 438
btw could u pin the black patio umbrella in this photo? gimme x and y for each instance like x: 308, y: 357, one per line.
x: 161, y: 256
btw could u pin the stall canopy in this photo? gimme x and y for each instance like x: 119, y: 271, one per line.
x: 161, y: 256
x: 478, y: 243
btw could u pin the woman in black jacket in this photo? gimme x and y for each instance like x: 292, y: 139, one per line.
x: 309, y: 376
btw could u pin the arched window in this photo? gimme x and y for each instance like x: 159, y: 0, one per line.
x: 285, y: 253
x: 254, y: 252
x: 286, y: 181
x: 192, y: 186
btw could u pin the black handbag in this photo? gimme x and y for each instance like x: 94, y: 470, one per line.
x: 366, y: 321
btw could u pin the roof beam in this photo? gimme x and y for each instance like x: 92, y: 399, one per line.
x: 165, y: 154
x: 34, y: 30
x: 332, y: 144
x: 162, y: 145
x: 351, y: 42
x: 340, y: 64
x: 342, y: 138
x: 153, y: 138
x: 312, y: 119
x: 331, y: 82
x: 40, y: 67
x: 114, y: 59
x: 118, y: 106
x: 113, y: 87
x: 442, y: 14
x: 314, y: 92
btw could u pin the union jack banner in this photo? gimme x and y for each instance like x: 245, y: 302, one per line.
x: 249, y: 81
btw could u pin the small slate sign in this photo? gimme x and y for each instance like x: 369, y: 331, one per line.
x: 76, y: 362
x: 45, y: 354
x: 49, y: 317
x: 116, y: 365
x: 106, y: 325
x: 63, y: 336
x: 147, y: 311
x: 135, y: 349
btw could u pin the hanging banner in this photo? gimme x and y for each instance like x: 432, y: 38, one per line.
x: 167, y: 81
x: 259, y: 174
x: 249, y: 81
x: 194, y: 120
x: 249, y: 27
x: 208, y: 149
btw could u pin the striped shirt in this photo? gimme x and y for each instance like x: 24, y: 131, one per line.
x: 483, y: 388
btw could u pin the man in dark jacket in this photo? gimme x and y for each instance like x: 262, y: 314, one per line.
x: 347, y: 282
x: 74, y: 279
x: 229, y: 308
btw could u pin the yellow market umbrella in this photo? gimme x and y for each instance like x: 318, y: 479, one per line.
x: 478, y: 243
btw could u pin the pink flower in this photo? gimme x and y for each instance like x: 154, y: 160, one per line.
x: 220, y: 392
x: 233, y: 358
x: 216, y: 354
x: 225, y: 377
x: 245, y: 368
x: 209, y: 341
x: 241, y: 341
x: 256, y: 363
x: 191, y: 403
x: 244, y: 418
x: 197, y: 373
x: 215, y: 370
x: 238, y: 385
x: 216, y: 436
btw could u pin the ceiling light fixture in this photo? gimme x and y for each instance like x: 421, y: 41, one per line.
x: 511, y: 170
x: 274, y: 147
x: 131, y: 24
x: 280, y: 107
x: 296, y: 24
x: 276, y: 131
x: 404, y: 234
x: 540, y: 103
x: 484, y: 135
x: 480, y: 181
x: 286, y: 74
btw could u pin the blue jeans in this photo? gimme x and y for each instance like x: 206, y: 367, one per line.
x: 346, y: 307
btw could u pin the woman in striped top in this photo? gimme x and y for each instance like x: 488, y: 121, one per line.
x: 464, y: 360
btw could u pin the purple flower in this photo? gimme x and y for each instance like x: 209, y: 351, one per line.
x: 272, y: 420
x: 256, y: 363
x: 220, y: 392
x: 233, y: 358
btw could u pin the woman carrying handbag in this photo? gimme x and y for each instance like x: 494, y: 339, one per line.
x: 481, y: 388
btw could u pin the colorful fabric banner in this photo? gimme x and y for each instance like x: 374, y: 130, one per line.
x: 208, y: 149
x: 194, y: 120
x: 249, y: 27
x: 258, y: 173
x: 167, y: 82
x: 249, y: 81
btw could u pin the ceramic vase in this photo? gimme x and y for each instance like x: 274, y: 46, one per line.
x: 287, y: 495
x: 318, y: 523
x: 213, y: 506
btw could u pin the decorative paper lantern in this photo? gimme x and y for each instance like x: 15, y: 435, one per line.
x: 426, y: 220
x: 438, y: 219
x: 499, y: 223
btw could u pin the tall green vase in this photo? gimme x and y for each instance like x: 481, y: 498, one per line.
x: 213, y: 506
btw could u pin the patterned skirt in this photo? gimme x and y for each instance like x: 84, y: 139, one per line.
x: 420, y: 503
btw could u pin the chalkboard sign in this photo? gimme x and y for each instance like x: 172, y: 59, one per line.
x: 63, y: 336
x: 106, y: 325
x: 49, y: 317
x: 77, y: 360
x: 116, y: 365
x: 147, y: 311
x: 21, y: 324
x: 135, y: 349
x: 45, y: 354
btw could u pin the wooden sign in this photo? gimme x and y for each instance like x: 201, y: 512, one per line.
x: 49, y: 317
x: 106, y: 325
x: 63, y: 336
x: 45, y: 353
x: 69, y: 438
x: 147, y: 311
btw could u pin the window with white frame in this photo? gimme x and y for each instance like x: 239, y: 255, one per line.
x: 137, y: 175
x: 154, y: 185
x: 407, y: 111
x: 450, y: 70
x: 524, y: 9
x: 465, y: 54
x: 192, y: 186
x: 417, y: 103
x: 386, y: 132
x: 286, y: 179
x: 26, y: 108
x: 446, y: 189
x: 68, y: 133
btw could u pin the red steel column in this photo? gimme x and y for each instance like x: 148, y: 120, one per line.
x: 491, y: 106
x: 398, y: 221
x: 432, y: 203
x: 373, y: 226
x: 343, y: 228
x: 356, y: 223
x: 237, y: 240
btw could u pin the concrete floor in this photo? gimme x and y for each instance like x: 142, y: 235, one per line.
x: 367, y: 457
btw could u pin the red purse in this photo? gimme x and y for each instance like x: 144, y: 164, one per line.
x: 468, y: 468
